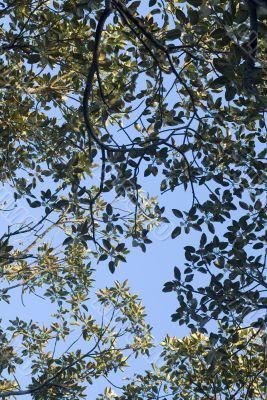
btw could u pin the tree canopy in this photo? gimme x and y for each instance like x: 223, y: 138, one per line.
x: 98, y: 98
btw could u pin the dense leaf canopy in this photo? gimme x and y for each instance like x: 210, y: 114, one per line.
x: 98, y: 99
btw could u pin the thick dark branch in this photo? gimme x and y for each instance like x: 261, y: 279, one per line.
x: 93, y: 70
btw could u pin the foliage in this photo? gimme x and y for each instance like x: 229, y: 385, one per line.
x: 121, y: 333
x: 98, y: 98
x: 194, y: 368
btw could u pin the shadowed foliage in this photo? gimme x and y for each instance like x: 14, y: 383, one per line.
x: 97, y: 99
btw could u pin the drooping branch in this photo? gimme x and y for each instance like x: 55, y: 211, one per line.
x: 92, y: 136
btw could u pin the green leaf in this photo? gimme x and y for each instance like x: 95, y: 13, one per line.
x: 219, y: 82
x: 109, y: 209
x: 34, y: 58
x: 173, y: 34
x: 203, y: 240
x: 195, y: 3
x: 230, y: 93
x: 176, y: 232
x: 111, y: 266
x: 177, y: 213
x: 177, y: 273
x: 34, y: 204
x: 107, y: 244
